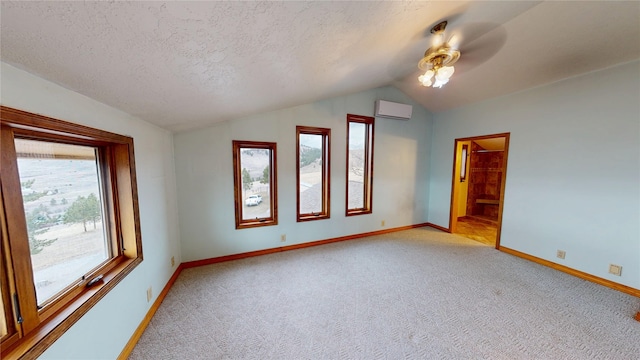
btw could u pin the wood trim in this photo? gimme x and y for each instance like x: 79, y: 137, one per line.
x: 482, y: 137
x: 17, y: 229
x: 7, y: 288
x: 124, y: 354
x: 577, y: 273
x: 38, y: 336
x: 503, y: 185
x: 237, y: 145
x: 26, y: 120
x: 219, y: 259
x: 367, y: 196
x: 438, y: 227
x: 452, y: 202
x: 35, y: 343
x: 190, y: 264
x: 325, y: 211
x: 454, y: 179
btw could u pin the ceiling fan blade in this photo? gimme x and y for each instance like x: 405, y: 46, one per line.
x: 477, y: 41
x: 467, y: 33
x: 481, y: 48
x: 488, y: 16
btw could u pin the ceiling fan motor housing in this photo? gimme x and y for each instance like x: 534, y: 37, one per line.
x: 439, y: 27
x: 439, y: 57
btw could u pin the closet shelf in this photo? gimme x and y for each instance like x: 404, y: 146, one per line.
x: 488, y: 201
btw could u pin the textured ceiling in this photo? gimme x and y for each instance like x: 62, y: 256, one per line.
x: 184, y: 65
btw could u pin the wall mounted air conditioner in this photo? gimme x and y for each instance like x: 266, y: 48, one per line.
x: 392, y: 110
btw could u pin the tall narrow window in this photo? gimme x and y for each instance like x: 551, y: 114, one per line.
x: 70, y: 225
x: 312, y: 154
x: 359, y: 164
x: 254, y: 180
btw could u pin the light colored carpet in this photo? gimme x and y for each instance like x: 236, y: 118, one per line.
x: 416, y: 294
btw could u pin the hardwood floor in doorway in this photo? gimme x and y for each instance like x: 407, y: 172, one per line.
x: 484, y: 231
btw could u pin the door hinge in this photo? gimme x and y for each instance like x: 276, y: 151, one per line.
x: 17, y: 308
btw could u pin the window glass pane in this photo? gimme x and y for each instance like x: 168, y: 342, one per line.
x: 256, y: 181
x: 311, y: 150
x: 63, y: 205
x: 359, y: 164
x: 356, y: 175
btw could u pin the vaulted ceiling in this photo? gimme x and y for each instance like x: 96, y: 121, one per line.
x: 184, y: 65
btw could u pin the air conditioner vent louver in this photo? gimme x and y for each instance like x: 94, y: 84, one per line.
x: 393, y: 110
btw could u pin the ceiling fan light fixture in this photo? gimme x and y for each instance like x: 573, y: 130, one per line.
x: 439, y: 83
x: 426, y: 78
x: 444, y: 73
x: 438, y: 61
x: 425, y: 81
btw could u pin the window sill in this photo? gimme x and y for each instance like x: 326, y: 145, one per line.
x: 258, y: 223
x: 358, y: 212
x: 37, y: 341
x: 312, y: 217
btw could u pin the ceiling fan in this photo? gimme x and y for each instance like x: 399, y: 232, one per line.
x: 465, y: 44
x: 438, y: 60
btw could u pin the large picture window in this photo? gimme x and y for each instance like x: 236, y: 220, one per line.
x: 312, y: 170
x: 359, y: 164
x: 254, y: 180
x: 64, y: 214
x: 70, y: 225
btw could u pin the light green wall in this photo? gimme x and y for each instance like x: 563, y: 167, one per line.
x: 205, y: 175
x: 573, y: 180
x: 103, y: 332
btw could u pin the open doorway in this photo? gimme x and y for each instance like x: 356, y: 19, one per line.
x: 477, y: 196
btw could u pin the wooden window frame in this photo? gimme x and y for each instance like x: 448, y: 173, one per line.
x: 325, y: 212
x: 237, y: 184
x: 369, y: 123
x: 39, y: 328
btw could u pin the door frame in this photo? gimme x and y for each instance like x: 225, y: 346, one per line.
x: 454, y: 177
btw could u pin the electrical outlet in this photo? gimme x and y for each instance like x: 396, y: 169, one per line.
x: 382, y: 223
x: 561, y: 254
x: 173, y: 261
x: 283, y: 237
x: 149, y: 294
x: 615, y: 269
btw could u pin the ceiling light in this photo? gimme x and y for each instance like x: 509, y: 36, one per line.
x: 438, y: 61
